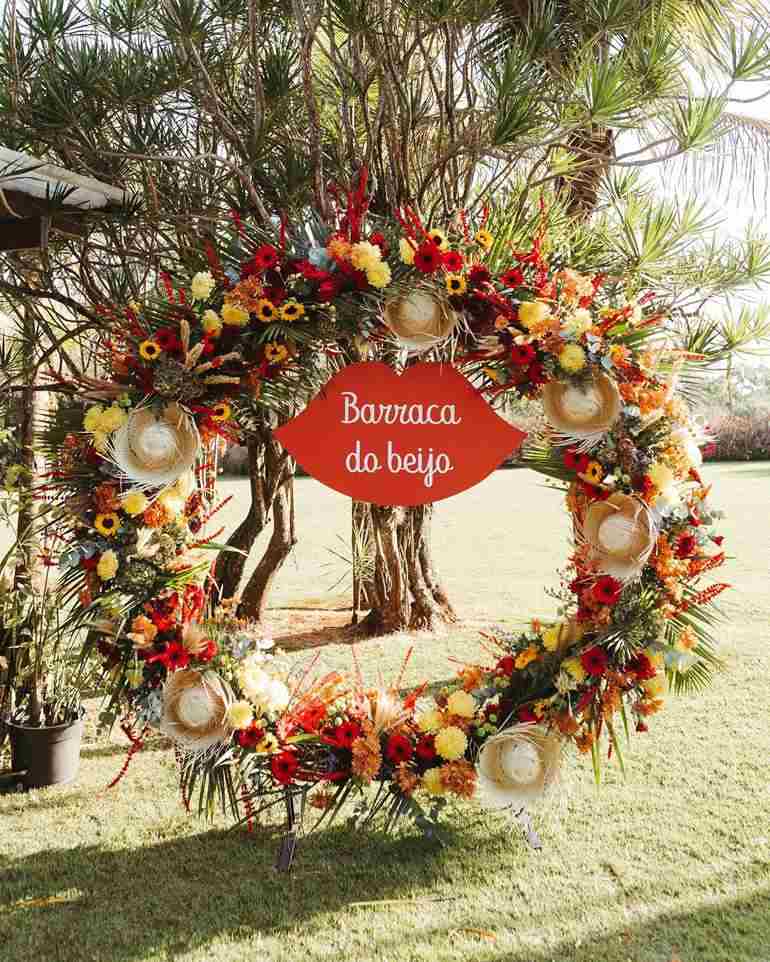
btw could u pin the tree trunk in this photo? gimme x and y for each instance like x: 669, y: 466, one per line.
x: 282, y: 541
x: 405, y: 592
x: 269, y: 468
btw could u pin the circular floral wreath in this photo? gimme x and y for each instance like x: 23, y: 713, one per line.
x: 137, y: 480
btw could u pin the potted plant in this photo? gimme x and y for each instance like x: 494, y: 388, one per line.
x: 43, y: 709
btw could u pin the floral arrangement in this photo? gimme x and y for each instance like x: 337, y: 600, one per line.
x: 137, y: 476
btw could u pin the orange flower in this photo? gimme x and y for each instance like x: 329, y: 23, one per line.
x: 566, y: 723
x: 367, y: 757
x: 406, y: 779
x: 584, y: 740
x: 106, y: 499
x: 157, y: 515
x: 529, y: 654
x: 459, y: 778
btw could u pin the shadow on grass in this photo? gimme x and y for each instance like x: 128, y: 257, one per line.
x: 122, y: 905
x: 729, y: 930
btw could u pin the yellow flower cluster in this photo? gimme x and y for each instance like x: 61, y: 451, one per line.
x: 202, y: 285
x: 101, y: 422
x: 367, y: 257
x: 107, y: 565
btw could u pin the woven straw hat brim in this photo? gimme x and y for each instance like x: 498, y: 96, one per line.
x: 199, y: 737
x: 125, y: 449
x: 574, y: 429
x: 496, y: 788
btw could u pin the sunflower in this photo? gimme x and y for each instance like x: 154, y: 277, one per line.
x: 484, y: 239
x: 107, y: 524
x: 594, y: 473
x: 275, y: 353
x: 456, y: 283
x: 292, y: 311
x: 221, y: 412
x: 266, y: 310
x: 150, y: 350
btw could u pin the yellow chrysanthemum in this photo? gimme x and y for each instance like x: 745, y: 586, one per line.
x: 234, y: 316
x: 533, y: 312
x: 134, y: 503
x: 107, y: 524
x: 406, y: 250
x: 240, y: 714
x: 379, y: 275
x: 430, y: 721
x: 150, y: 350
x: 661, y: 475
x: 275, y: 353
x: 93, y: 418
x: 266, y: 310
x: 455, y: 283
x: 451, y: 743
x: 432, y: 783
x: 572, y: 358
x: 114, y: 417
x: 439, y: 238
x: 202, y: 285
x: 573, y: 667
x: 365, y: 255
x: 461, y: 703
x: 107, y: 565
x: 552, y: 637
x: 292, y: 310
x: 211, y: 323
x: 484, y: 239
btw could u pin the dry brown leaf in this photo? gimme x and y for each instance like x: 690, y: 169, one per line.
x: 479, y: 933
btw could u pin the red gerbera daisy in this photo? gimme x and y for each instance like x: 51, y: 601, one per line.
x: 512, y: 278
x: 536, y: 373
x: 453, y: 261
x: 506, y: 665
x: 166, y: 339
x: 209, y: 651
x: 427, y: 257
x: 574, y: 461
x: 250, y: 737
x: 686, y: 545
x: 594, y: 660
x: 522, y: 354
x: 607, y: 590
x: 479, y: 275
x: 175, y: 657
x: 641, y: 666
x: 399, y: 749
x: 378, y: 240
x: 266, y: 258
x: 284, y: 767
x: 425, y: 748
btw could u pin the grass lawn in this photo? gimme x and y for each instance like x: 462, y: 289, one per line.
x: 672, y: 863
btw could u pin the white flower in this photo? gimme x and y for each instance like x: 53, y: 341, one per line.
x: 202, y: 285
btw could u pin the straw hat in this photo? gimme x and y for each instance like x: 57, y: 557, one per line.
x: 581, y: 414
x: 153, y: 450
x: 194, y: 709
x: 518, y: 766
x: 621, y: 535
x: 419, y: 319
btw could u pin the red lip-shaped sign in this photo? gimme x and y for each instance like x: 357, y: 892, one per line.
x: 402, y: 439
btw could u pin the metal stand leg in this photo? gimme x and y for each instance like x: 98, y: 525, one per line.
x: 530, y: 835
x: 289, y: 841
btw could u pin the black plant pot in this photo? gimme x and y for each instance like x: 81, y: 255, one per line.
x: 47, y: 756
